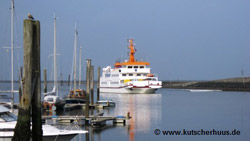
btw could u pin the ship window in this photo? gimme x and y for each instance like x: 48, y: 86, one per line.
x: 135, y: 67
x: 130, y: 74
x: 144, y: 74
x: 123, y: 74
x: 50, y: 100
x: 115, y: 82
x: 138, y: 74
x: 115, y: 75
x: 104, y: 82
x: 107, y: 75
x: 141, y: 67
x: 130, y: 67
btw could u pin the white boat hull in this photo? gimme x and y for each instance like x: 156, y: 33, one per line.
x: 45, y: 138
x: 50, y: 133
x: 128, y: 90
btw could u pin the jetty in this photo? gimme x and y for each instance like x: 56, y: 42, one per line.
x: 96, y: 120
x: 229, y: 84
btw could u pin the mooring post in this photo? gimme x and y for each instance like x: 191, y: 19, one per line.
x: 98, y: 84
x: 87, y: 88
x: 92, y: 134
x: 61, y: 76
x: 45, y: 81
x: 22, y: 129
x: 31, y: 85
x: 87, y: 134
x: 20, y: 82
x: 92, y: 84
x: 37, y: 133
x: 69, y: 80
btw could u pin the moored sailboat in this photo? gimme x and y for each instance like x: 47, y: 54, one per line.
x: 75, y: 97
x: 50, y: 133
x: 12, y: 91
x: 51, y: 99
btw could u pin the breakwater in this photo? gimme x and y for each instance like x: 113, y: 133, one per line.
x: 231, y: 84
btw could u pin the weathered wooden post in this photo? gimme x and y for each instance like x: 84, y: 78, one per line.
x: 69, y: 80
x: 31, y: 85
x: 87, y: 88
x: 61, y: 76
x: 92, y: 84
x: 45, y: 81
x: 37, y: 132
x: 22, y: 129
x: 87, y: 134
x: 98, y: 84
x: 20, y: 83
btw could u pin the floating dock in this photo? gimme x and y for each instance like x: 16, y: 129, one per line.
x: 97, y: 120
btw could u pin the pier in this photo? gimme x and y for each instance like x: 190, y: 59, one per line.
x: 91, y: 106
x: 97, y: 120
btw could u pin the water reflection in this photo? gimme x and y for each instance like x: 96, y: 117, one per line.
x: 144, y: 109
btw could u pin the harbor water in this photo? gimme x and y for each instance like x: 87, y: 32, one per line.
x: 218, y: 115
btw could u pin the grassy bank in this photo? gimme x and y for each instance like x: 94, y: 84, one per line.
x: 231, y: 84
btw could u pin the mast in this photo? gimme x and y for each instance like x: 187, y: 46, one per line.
x: 75, y: 59
x: 55, y: 70
x: 80, y: 67
x: 132, y: 60
x: 12, y: 53
x: 132, y: 51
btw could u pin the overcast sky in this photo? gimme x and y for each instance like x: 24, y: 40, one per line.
x: 182, y: 39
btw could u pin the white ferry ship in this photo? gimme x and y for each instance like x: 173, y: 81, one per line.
x: 130, y: 76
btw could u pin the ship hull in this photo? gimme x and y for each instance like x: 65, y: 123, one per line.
x: 128, y: 90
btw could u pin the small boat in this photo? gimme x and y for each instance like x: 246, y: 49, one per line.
x: 106, y: 103
x: 50, y: 133
x: 12, y: 91
x: 130, y: 76
x: 52, y: 102
x: 76, y: 97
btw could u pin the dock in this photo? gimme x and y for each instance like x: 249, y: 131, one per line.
x: 97, y: 120
x: 91, y: 106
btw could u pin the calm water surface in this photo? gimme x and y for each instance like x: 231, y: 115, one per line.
x: 171, y: 109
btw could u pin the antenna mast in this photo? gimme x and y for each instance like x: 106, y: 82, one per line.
x: 12, y: 53
x: 55, y: 70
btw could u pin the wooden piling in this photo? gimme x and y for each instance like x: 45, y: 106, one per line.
x: 37, y: 133
x: 87, y: 134
x: 87, y: 88
x: 31, y: 85
x: 69, y: 80
x: 61, y: 76
x: 45, y: 81
x: 98, y: 84
x: 20, y: 82
x: 92, y: 84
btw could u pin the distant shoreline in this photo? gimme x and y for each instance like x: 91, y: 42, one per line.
x: 231, y: 84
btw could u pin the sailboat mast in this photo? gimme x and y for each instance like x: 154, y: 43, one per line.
x: 55, y: 70
x: 80, y: 67
x: 12, y: 53
x: 75, y: 59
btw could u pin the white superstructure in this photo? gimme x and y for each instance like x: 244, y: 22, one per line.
x: 129, y: 77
